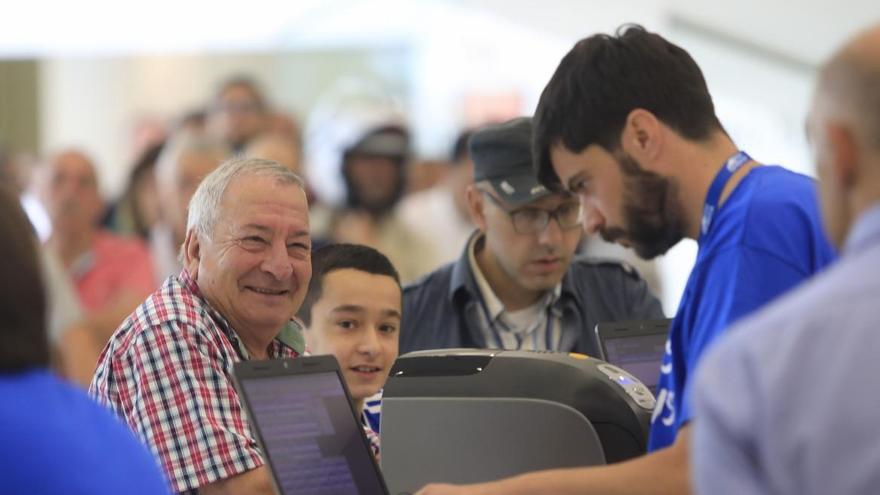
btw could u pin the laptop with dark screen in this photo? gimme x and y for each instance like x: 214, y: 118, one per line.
x: 637, y: 346
x: 302, y: 415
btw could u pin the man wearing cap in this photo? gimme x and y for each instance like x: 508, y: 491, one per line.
x: 516, y: 284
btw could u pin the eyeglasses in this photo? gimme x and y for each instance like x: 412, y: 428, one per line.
x: 530, y: 220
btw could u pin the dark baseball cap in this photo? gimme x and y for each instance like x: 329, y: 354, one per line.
x: 502, y: 155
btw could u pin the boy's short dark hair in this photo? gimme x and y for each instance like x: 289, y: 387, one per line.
x: 603, y: 78
x: 338, y: 257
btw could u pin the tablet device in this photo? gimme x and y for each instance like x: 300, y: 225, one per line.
x: 637, y: 346
x: 302, y: 414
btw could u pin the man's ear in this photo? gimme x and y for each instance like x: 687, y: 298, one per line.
x: 642, y: 136
x: 192, y: 253
x: 843, y: 154
x: 475, y: 206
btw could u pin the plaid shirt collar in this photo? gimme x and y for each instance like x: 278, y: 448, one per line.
x: 290, y: 335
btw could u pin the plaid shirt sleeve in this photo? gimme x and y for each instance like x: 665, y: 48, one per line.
x: 184, y: 405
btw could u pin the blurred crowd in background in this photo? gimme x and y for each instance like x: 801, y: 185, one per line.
x: 104, y: 255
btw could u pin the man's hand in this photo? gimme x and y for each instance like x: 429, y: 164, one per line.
x: 444, y: 489
x: 441, y: 490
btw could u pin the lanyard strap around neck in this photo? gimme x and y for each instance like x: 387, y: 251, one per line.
x: 496, y: 333
x: 731, y: 165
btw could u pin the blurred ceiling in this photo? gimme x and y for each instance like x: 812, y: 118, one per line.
x: 796, y: 33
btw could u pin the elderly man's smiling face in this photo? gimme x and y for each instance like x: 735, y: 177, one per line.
x: 255, y: 267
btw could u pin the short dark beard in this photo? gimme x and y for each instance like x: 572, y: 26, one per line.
x: 653, y: 217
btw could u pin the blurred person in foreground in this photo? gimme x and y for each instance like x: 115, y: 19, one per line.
x: 56, y: 440
x: 71, y: 340
x: 785, y: 402
x: 627, y: 123
x: 167, y: 370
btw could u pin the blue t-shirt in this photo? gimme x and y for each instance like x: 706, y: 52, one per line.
x: 55, y: 439
x: 765, y: 239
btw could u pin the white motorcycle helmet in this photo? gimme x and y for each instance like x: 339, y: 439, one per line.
x: 342, y: 118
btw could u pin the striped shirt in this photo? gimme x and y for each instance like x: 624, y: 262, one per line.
x: 370, y: 419
x: 167, y: 372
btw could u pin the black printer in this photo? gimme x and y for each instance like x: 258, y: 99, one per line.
x: 469, y: 415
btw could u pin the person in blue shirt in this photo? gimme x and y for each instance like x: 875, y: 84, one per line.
x: 55, y: 439
x: 803, y: 371
x: 627, y: 123
x: 352, y: 310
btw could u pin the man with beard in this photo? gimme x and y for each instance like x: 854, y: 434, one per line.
x: 516, y: 284
x: 627, y: 124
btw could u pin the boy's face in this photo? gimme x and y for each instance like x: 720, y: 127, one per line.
x: 357, y: 319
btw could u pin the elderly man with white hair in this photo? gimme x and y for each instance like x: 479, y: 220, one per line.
x: 167, y: 370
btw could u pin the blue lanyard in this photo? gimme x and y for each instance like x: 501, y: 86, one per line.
x: 731, y: 165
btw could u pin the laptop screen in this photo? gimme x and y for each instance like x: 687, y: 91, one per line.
x: 313, y: 441
x: 641, y: 355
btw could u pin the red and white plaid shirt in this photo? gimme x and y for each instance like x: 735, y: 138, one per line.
x: 167, y: 371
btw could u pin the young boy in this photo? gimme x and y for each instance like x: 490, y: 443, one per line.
x: 352, y: 310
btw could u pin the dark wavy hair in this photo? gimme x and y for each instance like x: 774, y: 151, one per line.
x: 604, y: 78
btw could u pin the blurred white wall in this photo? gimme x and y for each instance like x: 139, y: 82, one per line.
x: 94, y: 102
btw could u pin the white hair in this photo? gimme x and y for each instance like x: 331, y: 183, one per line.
x: 204, y: 207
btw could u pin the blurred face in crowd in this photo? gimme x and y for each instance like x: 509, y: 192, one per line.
x: 146, y: 198
x: 376, y: 180
x: 533, y: 257
x: 70, y: 193
x: 192, y: 167
x: 278, y: 148
x: 357, y: 319
x: 623, y: 201
x: 255, y: 267
x: 238, y: 115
